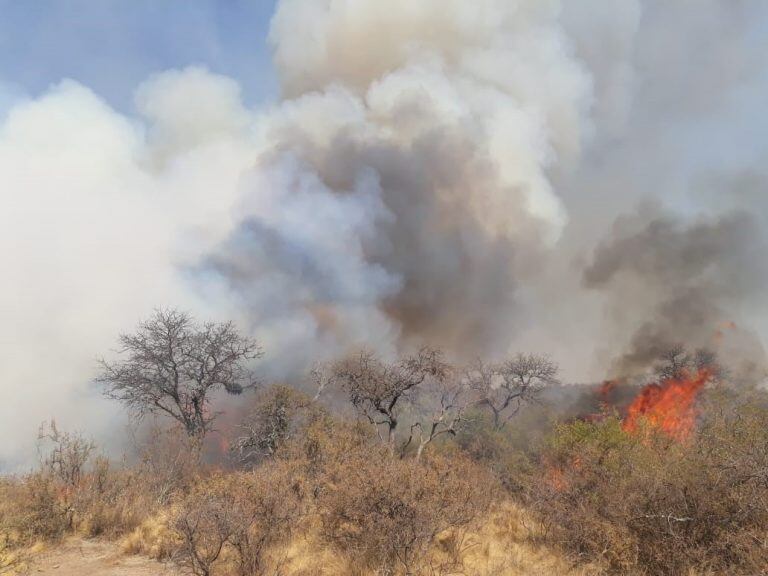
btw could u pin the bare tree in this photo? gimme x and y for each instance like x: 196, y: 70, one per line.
x: 172, y: 364
x: 445, y: 414
x: 377, y: 389
x: 504, y: 388
x: 678, y: 362
x: 441, y: 404
x: 67, y: 455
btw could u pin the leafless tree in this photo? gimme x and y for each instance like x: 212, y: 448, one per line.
x: 377, y: 388
x: 172, y: 364
x: 503, y: 388
x: 678, y: 362
x: 441, y: 404
x: 67, y: 453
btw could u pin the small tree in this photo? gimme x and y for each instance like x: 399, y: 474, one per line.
x: 376, y: 388
x: 504, y: 388
x: 67, y: 454
x: 172, y: 364
x: 441, y: 404
x: 386, y: 512
x: 230, y: 521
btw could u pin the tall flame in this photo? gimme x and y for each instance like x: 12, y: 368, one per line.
x: 668, y: 405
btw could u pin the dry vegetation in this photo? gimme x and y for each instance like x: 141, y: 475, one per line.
x: 331, y: 498
x: 434, y: 478
x: 644, y: 503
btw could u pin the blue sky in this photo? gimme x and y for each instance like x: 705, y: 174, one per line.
x: 113, y: 45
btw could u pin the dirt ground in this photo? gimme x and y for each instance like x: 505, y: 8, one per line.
x: 95, y: 558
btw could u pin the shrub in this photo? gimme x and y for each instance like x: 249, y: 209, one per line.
x: 170, y: 463
x: 10, y: 557
x: 646, y: 504
x: 498, y: 450
x: 33, y: 510
x: 240, y: 516
x: 279, y: 416
x: 387, y: 511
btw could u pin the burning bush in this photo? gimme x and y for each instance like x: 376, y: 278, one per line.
x: 645, y: 503
x: 669, y: 404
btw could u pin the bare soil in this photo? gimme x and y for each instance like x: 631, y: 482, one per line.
x: 97, y: 558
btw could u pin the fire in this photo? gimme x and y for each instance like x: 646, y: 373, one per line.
x: 604, y: 393
x: 668, y: 405
x: 558, y: 478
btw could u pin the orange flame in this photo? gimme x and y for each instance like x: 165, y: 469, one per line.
x: 558, y: 478
x: 555, y: 478
x: 668, y: 405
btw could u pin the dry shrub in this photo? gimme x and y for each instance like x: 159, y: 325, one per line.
x: 116, y: 500
x: 32, y: 509
x: 504, y: 544
x: 234, y: 519
x: 647, y: 505
x: 74, y: 491
x: 110, y: 501
x: 387, y: 512
x: 170, y: 463
x: 103, y: 503
x: 280, y: 415
x: 499, y: 450
x: 154, y: 538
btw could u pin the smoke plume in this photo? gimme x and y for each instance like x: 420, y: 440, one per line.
x: 673, y: 283
x: 435, y: 171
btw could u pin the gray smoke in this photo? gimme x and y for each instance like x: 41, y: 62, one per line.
x: 672, y: 282
x: 410, y: 163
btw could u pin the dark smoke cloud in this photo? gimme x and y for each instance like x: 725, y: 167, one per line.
x: 680, y: 282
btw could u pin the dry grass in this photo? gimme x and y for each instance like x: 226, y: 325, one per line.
x: 153, y: 538
x: 506, y: 542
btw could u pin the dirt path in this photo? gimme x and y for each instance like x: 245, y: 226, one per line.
x: 95, y: 558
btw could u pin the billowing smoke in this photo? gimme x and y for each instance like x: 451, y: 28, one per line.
x: 436, y: 171
x: 100, y: 218
x: 403, y: 188
x: 674, y: 283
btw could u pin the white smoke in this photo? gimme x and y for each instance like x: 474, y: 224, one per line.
x: 94, y: 235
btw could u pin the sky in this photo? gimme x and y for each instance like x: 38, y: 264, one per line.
x: 113, y: 45
x: 580, y: 178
